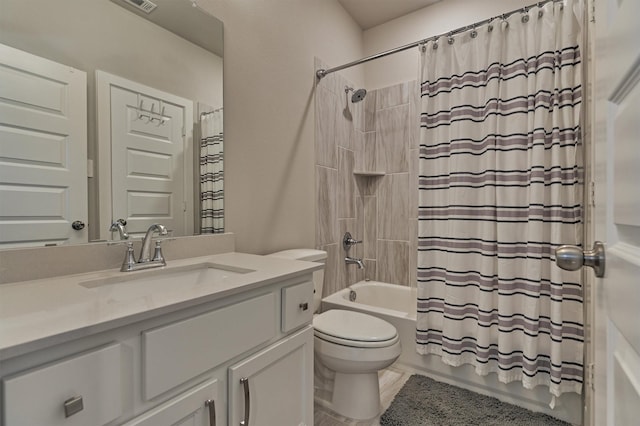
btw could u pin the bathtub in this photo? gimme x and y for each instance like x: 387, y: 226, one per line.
x: 396, y: 304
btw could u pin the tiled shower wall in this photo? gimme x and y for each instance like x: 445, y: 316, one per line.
x: 380, y: 133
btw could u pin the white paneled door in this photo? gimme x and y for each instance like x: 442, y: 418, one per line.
x: 144, y: 136
x: 43, y: 151
x: 617, y: 214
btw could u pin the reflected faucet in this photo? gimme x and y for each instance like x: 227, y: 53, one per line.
x: 119, y: 225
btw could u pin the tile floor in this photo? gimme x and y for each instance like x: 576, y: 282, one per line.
x: 391, y: 381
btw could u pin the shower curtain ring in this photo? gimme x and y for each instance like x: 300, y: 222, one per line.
x: 474, y: 32
x: 450, y: 39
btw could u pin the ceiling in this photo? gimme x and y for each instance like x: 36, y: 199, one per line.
x: 369, y: 13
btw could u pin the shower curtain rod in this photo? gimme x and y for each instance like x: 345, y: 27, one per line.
x: 203, y: 114
x: 323, y: 72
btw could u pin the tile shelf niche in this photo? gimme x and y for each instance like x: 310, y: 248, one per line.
x: 368, y: 174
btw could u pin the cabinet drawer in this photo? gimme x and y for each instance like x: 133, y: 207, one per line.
x: 297, y: 305
x: 177, y: 352
x: 38, y: 397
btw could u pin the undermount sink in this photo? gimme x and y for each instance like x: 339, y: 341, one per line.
x: 201, y: 273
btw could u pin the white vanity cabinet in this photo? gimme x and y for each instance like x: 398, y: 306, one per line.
x: 76, y: 391
x: 182, y: 367
x: 196, y: 407
x: 274, y: 386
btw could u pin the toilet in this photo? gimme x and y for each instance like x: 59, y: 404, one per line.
x: 353, y: 345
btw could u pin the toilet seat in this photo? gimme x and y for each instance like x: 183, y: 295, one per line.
x: 355, y: 329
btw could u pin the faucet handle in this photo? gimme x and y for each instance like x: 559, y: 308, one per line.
x: 129, y: 258
x: 348, y: 241
x: 157, y: 255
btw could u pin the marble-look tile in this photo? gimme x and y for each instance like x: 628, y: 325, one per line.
x: 358, y: 149
x: 369, y: 152
x: 393, y: 95
x: 367, y: 119
x: 357, y: 110
x: 344, y: 123
x: 332, y: 263
x: 393, y: 207
x: 326, y: 214
x: 413, y: 252
x: 392, y: 139
x: 370, y: 269
x: 368, y: 185
x: 325, y: 128
x: 414, y: 115
x: 393, y: 262
x: 370, y: 236
x: 346, y: 189
x: 414, y: 163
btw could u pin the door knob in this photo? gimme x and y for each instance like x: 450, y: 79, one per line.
x: 572, y: 258
x: 78, y: 225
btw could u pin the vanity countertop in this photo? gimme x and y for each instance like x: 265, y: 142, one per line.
x: 35, y: 314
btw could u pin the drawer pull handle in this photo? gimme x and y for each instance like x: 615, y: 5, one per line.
x: 73, y: 405
x: 247, y: 401
x: 304, y: 306
x: 212, y: 411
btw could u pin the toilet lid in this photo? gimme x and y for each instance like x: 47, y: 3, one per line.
x: 353, y: 327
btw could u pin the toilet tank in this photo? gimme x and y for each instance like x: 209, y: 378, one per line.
x: 308, y: 255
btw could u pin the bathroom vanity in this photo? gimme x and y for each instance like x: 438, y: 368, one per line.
x: 213, y: 340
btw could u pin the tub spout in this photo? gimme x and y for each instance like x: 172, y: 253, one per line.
x: 350, y: 260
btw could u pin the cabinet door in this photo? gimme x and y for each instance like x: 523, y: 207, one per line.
x: 274, y: 386
x: 196, y: 407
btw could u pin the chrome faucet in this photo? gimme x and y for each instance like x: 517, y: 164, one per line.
x: 347, y: 242
x: 145, y: 261
x: 119, y: 225
x: 350, y: 260
x: 145, y: 251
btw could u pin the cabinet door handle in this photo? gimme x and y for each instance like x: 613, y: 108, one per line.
x: 247, y: 401
x: 211, y: 404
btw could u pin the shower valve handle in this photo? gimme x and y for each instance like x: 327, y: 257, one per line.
x: 348, y: 241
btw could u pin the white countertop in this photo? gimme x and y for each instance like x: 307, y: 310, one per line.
x: 39, y: 313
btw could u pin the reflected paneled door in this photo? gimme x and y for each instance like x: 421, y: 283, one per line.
x: 151, y: 163
x: 43, y: 151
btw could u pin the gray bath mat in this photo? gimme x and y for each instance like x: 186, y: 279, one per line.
x: 424, y: 402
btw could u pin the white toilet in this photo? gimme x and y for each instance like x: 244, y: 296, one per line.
x: 353, y: 345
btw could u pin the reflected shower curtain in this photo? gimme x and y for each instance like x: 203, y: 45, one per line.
x: 500, y: 189
x: 211, y: 173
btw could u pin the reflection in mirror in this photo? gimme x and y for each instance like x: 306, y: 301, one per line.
x: 176, y: 50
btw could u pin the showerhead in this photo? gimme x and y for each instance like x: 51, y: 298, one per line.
x: 357, y: 96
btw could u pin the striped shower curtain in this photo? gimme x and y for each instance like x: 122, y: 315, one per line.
x: 499, y: 189
x: 211, y: 173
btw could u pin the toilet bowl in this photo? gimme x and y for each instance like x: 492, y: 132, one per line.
x: 353, y: 345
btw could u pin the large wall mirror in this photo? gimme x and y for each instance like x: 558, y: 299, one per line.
x: 148, y: 77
